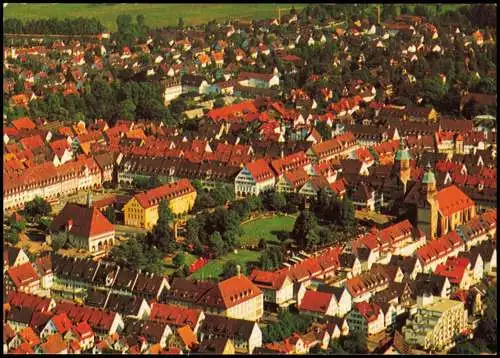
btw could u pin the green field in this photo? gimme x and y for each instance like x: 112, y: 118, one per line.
x: 266, y: 229
x: 214, y: 268
x: 156, y: 15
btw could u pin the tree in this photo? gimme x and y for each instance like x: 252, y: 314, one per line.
x: 348, y: 220
x: 12, y: 237
x: 230, y: 269
x: 355, y: 343
x: 216, y: 244
x: 219, y: 102
x: 37, y: 208
x: 110, y: 214
x: 128, y: 109
x: 18, y: 226
x: 325, y: 130
x: 305, y: 223
x: 278, y: 201
x: 59, y: 240
x: 165, y: 215
x: 179, y: 259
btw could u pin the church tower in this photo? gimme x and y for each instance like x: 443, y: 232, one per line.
x: 402, y: 160
x: 429, y: 190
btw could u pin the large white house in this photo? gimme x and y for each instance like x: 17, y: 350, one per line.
x: 256, y: 177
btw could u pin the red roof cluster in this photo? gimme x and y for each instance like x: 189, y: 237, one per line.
x: 174, y: 315
x: 454, y: 269
x: 21, y: 299
x: 440, y: 247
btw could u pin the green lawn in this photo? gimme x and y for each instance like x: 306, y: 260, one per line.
x: 214, y: 268
x: 266, y: 229
x: 157, y: 15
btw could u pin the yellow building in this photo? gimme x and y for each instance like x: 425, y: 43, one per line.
x: 142, y: 209
x: 436, y: 323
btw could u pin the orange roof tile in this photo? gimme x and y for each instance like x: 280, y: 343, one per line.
x: 168, y: 191
x: 451, y: 200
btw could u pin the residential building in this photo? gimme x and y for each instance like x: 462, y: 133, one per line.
x: 246, y: 335
x: 277, y: 288
x: 366, y: 318
x: 256, y: 177
x: 436, y: 324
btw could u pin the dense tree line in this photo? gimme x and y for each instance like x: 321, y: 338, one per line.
x: 54, y: 26
x: 128, y: 100
x: 288, y: 324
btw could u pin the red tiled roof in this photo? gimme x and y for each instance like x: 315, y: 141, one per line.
x: 62, y: 323
x: 236, y: 290
x: 451, y: 200
x: 260, y: 170
x: 29, y: 336
x: 23, y: 123
x: 316, y: 301
x: 21, y: 299
x: 83, y: 330
x: 174, y: 315
x: 289, y: 162
x: 268, y: 280
x: 59, y: 146
x: 437, y: 248
x: 168, y: 191
x: 23, y: 275
x: 188, y: 337
x: 454, y: 269
x: 30, y: 143
x: 369, y: 311
x: 86, y: 222
x: 234, y: 109
x: 54, y: 344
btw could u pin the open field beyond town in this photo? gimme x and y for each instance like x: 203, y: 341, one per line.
x: 157, y: 15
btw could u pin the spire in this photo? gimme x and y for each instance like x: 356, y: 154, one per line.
x: 429, y: 177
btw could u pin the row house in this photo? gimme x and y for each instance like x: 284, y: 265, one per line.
x: 481, y: 228
x: 365, y: 318
x: 177, y: 316
x: 398, y: 239
x: 340, y: 146
x: 237, y: 297
x: 437, y: 251
x: 103, y: 323
x: 245, y: 335
x: 50, y: 183
x: 363, y: 286
x: 458, y: 272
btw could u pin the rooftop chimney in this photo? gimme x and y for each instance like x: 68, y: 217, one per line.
x: 238, y: 270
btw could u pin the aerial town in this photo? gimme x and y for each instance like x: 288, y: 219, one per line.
x: 319, y: 180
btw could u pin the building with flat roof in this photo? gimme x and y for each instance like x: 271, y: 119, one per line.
x: 436, y: 323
